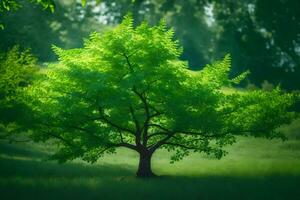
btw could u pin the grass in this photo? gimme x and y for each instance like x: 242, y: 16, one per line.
x: 253, y: 169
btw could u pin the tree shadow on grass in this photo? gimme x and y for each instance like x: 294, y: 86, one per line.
x: 34, y: 179
x: 22, y: 150
x: 47, y: 169
x: 44, y: 180
x: 21, y: 161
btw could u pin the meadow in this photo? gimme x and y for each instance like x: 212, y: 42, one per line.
x: 255, y: 168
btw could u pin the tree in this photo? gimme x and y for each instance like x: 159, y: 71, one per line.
x: 37, y: 29
x: 128, y: 88
x: 265, y: 38
x: 17, y: 71
x: 8, y: 5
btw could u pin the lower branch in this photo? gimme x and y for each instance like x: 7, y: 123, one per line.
x: 181, y: 145
x: 152, y: 148
x: 124, y: 144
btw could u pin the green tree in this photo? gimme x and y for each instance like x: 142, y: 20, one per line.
x: 9, y: 5
x: 17, y: 71
x: 37, y: 29
x: 128, y: 88
x: 263, y: 36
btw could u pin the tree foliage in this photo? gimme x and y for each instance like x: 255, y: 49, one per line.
x: 261, y: 35
x: 127, y: 87
x: 7, y: 5
x: 37, y: 29
x: 17, y: 71
x: 13, y: 5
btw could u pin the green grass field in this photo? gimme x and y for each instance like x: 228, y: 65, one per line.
x: 253, y: 169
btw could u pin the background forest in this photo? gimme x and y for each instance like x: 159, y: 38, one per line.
x: 261, y: 35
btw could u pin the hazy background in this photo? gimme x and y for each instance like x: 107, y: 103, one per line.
x: 261, y: 35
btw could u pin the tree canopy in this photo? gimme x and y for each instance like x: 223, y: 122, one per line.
x: 127, y: 87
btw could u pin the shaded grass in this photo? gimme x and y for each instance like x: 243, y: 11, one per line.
x: 210, y: 187
x: 24, y: 179
x: 253, y: 169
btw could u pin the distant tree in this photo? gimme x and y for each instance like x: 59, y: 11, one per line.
x: 264, y: 38
x: 12, y: 5
x: 17, y: 71
x: 7, y: 5
x: 128, y: 88
x: 37, y: 29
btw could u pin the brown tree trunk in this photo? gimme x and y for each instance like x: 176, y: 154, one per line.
x: 144, y: 170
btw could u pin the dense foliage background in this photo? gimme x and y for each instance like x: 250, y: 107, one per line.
x: 261, y: 35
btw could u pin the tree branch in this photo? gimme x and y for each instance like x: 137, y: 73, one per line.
x: 85, y: 130
x: 138, y: 129
x: 106, y: 120
x: 125, y: 144
x: 137, y: 125
x: 147, y: 113
x: 180, y: 145
x: 152, y: 148
x: 187, y: 132
x: 121, y: 137
x: 128, y: 62
x: 110, y: 145
x: 160, y: 127
x: 160, y: 133
x: 67, y: 142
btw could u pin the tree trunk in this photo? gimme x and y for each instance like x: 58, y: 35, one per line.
x: 144, y: 170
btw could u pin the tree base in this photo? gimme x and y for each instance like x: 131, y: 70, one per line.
x: 146, y: 175
x: 144, y: 169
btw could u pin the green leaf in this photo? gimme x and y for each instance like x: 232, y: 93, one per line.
x: 52, y: 8
x: 83, y: 2
x: 240, y: 77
